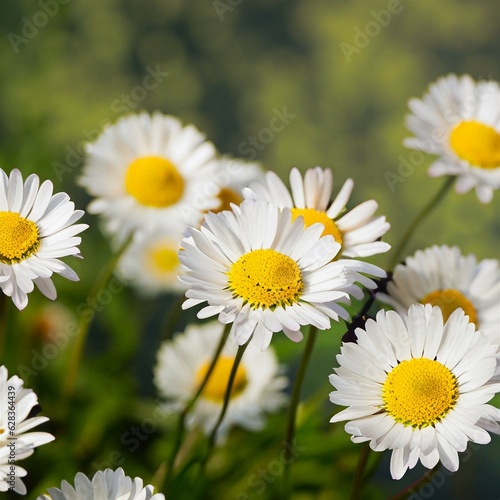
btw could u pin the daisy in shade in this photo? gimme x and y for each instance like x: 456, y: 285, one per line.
x: 16, y: 442
x: 442, y: 276
x: 37, y: 228
x: 149, y: 172
x: 357, y: 230
x: 459, y: 120
x: 183, y: 362
x: 104, y: 485
x: 417, y: 387
x: 264, y: 273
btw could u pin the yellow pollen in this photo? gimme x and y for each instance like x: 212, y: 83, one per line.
x: 476, y: 143
x: 154, y: 182
x: 163, y: 259
x: 226, y: 197
x: 266, y: 278
x: 312, y: 216
x: 448, y: 300
x: 19, y: 238
x: 217, y: 383
x: 419, y: 392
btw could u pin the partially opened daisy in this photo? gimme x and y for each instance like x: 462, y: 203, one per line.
x: 459, y: 120
x: 104, y: 485
x: 264, y: 273
x: 358, y: 231
x: 442, y: 276
x: 183, y: 362
x: 16, y: 440
x: 149, y: 172
x: 37, y: 228
x: 417, y: 387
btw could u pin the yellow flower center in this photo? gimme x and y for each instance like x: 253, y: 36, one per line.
x: 476, y: 143
x: 154, y: 182
x: 266, y: 278
x: 448, y: 300
x: 163, y: 259
x: 419, y: 392
x: 312, y: 216
x: 217, y: 383
x: 226, y: 197
x: 19, y: 238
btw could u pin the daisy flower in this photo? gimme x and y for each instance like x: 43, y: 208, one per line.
x: 183, y: 362
x: 104, y: 485
x: 36, y: 229
x: 357, y: 230
x: 458, y: 119
x: 16, y: 443
x: 442, y: 276
x: 264, y: 273
x: 149, y: 172
x: 417, y: 387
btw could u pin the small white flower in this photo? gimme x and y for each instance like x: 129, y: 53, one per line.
x: 264, y: 273
x: 417, y: 387
x: 442, y: 276
x: 149, y: 172
x: 459, y: 120
x: 36, y: 230
x: 357, y: 230
x: 183, y: 362
x: 16, y: 443
x: 104, y: 485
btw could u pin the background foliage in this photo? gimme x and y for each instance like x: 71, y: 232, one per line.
x: 230, y: 65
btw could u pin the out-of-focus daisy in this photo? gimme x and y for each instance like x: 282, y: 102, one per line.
x: 16, y: 443
x: 37, y: 228
x: 104, y: 485
x: 149, y: 172
x: 442, y: 276
x: 357, y: 230
x: 151, y: 264
x: 417, y: 387
x: 183, y: 362
x: 459, y: 120
x: 264, y: 273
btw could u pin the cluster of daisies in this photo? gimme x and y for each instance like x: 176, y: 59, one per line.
x: 268, y: 259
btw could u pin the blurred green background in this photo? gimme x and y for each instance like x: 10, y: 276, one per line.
x: 229, y: 66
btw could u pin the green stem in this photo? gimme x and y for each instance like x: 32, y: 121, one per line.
x: 360, y: 472
x: 86, y: 319
x: 292, y: 411
x: 3, y: 323
x: 431, y: 205
x: 180, y: 429
x: 410, y: 489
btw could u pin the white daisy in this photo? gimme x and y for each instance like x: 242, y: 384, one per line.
x: 183, y: 362
x: 442, y: 276
x: 16, y: 443
x: 417, y: 387
x: 104, y: 485
x: 263, y: 273
x: 459, y: 120
x: 357, y: 230
x: 36, y: 230
x: 151, y: 264
x: 149, y: 172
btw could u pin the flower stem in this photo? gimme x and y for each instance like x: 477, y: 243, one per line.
x: 86, y: 319
x: 360, y: 472
x: 410, y: 489
x: 3, y: 323
x: 292, y: 411
x: 180, y: 430
x: 431, y: 205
